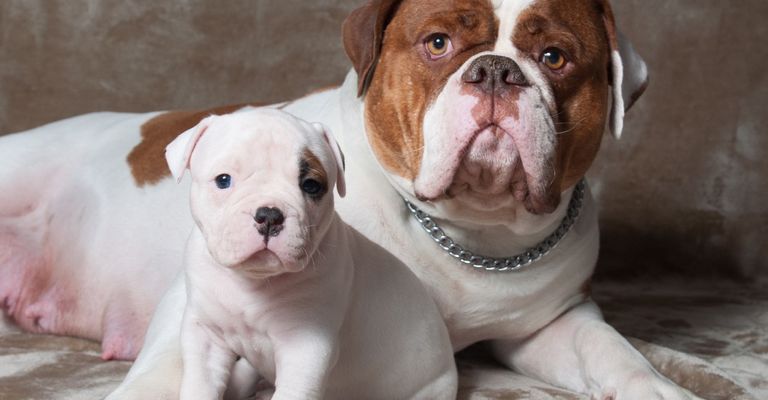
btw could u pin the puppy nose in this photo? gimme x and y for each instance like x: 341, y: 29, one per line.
x: 494, y: 73
x: 270, y: 221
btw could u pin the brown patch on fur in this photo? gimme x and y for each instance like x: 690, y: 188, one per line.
x: 406, y: 80
x: 147, y: 159
x: 310, y: 167
x: 580, y: 28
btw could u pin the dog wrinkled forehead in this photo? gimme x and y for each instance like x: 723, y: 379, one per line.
x: 365, y: 29
x: 255, y: 136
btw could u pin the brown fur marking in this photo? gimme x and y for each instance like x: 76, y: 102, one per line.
x: 580, y: 28
x: 406, y: 80
x: 311, y: 168
x: 147, y: 159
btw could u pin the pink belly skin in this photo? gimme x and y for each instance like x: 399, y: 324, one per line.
x: 41, y: 297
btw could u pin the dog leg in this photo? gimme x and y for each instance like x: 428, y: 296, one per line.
x: 442, y: 387
x: 580, y: 352
x: 207, y: 365
x: 122, y: 331
x: 303, y: 361
x: 244, y: 381
x: 157, y: 372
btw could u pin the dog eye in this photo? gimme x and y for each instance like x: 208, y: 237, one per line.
x: 311, y: 187
x: 438, y: 45
x: 553, y: 58
x: 223, y: 181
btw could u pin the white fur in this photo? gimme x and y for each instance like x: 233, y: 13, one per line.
x: 306, y: 327
x: 508, y: 12
x: 538, y: 320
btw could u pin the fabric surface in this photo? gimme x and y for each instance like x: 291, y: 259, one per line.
x: 711, y: 338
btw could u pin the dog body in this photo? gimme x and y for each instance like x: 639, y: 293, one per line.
x: 485, y: 114
x: 526, y: 299
x: 68, y: 232
x: 273, y: 275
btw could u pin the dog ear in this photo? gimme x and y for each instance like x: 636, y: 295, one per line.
x: 363, y: 34
x: 628, y: 72
x: 179, y: 152
x: 338, y: 155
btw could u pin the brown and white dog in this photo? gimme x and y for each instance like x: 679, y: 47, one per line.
x: 484, y: 114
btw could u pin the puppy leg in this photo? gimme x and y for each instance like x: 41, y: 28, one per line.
x: 580, y: 352
x: 444, y: 386
x: 303, y: 362
x: 243, y: 383
x: 207, y: 365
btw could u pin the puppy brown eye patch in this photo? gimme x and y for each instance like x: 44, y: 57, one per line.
x: 313, y: 180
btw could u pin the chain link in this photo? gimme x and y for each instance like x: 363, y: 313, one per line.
x: 507, y: 264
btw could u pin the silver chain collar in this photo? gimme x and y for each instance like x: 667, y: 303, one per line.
x: 507, y: 264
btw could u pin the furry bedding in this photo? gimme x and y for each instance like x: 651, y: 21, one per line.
x: 719, y: 333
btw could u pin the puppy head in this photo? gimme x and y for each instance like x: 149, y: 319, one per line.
x: 490, y: 105
x: 262, y: 183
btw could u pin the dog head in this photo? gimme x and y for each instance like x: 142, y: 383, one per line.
x: 490, y: 106
x: 262, y: 183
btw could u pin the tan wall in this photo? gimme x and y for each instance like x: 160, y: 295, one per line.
x: 687, y: 186
x: 685, y: 190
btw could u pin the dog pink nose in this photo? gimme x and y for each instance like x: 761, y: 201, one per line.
x: 270, y: 221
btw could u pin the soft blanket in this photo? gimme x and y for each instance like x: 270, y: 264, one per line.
x: 711, y: 337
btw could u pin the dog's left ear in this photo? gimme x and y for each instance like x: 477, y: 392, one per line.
x: 363, y: 34
x: 179, y: 152
x: 629, y: 74
x: 341, y: 184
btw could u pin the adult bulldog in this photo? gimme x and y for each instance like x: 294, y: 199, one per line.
x: 483, y: 115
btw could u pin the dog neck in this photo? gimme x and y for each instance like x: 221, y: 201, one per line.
x: 511, y: 262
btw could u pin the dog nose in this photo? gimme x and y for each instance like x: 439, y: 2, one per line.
x: 270, y: 221
x: 494, y: 73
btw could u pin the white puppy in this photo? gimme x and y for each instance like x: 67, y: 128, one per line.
x: 275, y: 277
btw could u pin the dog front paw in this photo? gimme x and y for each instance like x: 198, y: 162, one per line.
x: 646, y: 386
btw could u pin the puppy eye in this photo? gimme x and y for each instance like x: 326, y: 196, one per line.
x: 223, y: 181
x: 438, y: 45
x: 311, y: 187
x: 553, y: 58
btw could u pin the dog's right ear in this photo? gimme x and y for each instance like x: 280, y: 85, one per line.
x: 363, y: 34
x: 338, y: 155
x: 179, y: 152
x: 629, y: 74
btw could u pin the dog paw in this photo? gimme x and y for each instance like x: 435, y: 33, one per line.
x: 265, y: 394
x: 646, y: 386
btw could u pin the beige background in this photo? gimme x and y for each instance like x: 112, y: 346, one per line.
x: 684, y: 192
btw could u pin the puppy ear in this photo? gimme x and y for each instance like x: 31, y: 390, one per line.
x: 363, y: 34
x: 629, y: 74
x: 179, y: 152
x: 341, y: 184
